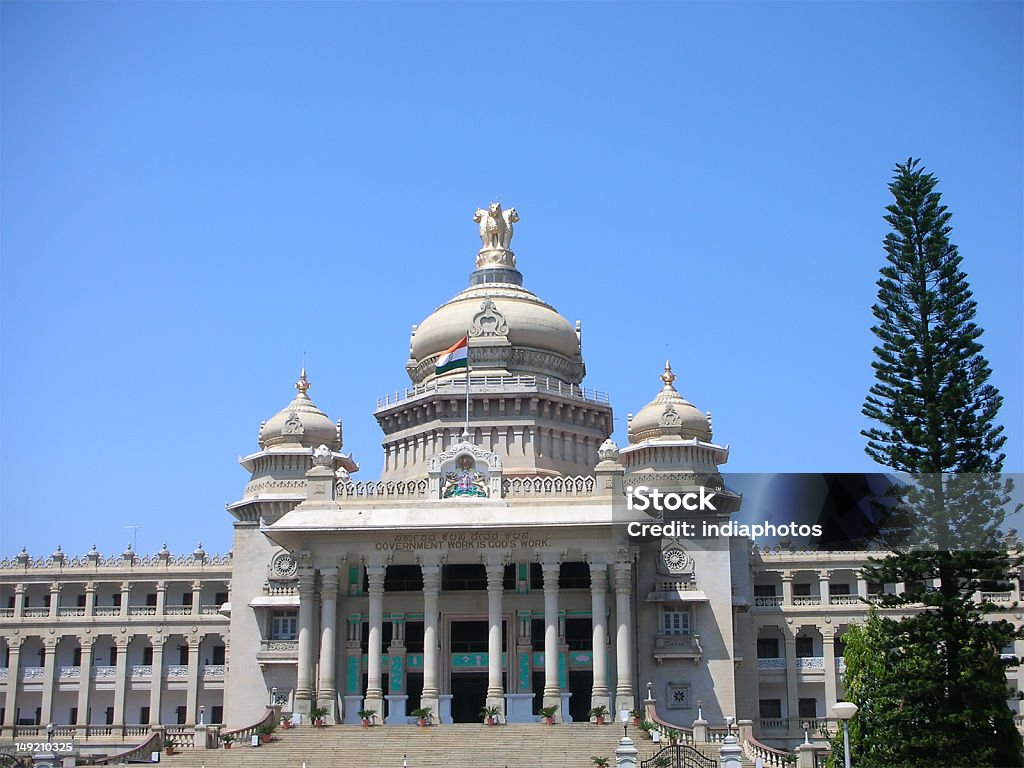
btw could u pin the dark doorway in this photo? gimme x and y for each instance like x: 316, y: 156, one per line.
x: 538, y: 690
x: 414, y: 689
x: 581, y: 686
x: 469, y: 694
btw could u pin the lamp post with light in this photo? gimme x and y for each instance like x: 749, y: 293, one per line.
x: 844, y: 710
x: 624, y: 719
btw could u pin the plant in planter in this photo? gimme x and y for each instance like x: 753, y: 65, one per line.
x: 265, y: 732
x: 637, y: 715
x: 547, y: 714
x: 422, y: 715
x: 673, y: 736
x: 227, y: 740
x: 367, y: 716
x: 490, y: 715
x: 647, y: 726
x: 317, y: 715
x: 286, y: 723
x: 600, y: 762
x: 599, y: 714
x: 168, y: 747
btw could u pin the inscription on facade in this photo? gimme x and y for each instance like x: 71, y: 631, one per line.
x: 423, y: 542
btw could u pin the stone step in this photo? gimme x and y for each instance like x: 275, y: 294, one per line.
x: 448, y: 746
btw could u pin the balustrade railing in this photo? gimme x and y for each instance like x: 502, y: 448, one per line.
x: 496, y: 384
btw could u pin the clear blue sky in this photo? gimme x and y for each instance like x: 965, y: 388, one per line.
x: 194, y: 194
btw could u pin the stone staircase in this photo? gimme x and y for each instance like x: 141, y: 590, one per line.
x: 446, y: 746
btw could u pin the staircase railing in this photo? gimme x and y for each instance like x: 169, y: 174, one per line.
x: 142, y: 752
x: 272, y: 717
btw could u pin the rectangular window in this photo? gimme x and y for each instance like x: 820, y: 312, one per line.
x: 113, y: 659
x: 147, y: 658
x: 284, y: 625
x: 73, y: 716
x: 143, y: 715
x: 217, y: 711
x: 770, y: 709
x: 839, y: 589
x: 676, y: 622
x: 220, y: 598
x: 117, y: 600
x: 807, y: 708
x: 179, y: 713
x: 875, y: 588
x: 802, y: 590
x: 186, y: 598
x: 151, y: 599
x: 80, y: 601
x: 218, y: 654
x: 804, y: 647
x: 767, y: 647
x: 764, y: 590
x: 110, y: 716
x: 76, y: 660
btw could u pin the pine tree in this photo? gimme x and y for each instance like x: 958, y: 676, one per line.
x: 932, y: 396
x: 939, y: 695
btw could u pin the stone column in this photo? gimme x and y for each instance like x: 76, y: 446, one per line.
x: 862, y: 587
x: 552, y: 691
x: 90, y: 598
x: 327, y: 689
x: 120, y: 681
x: 787, y: 588
x: 375, y: 590
x: 431, y: 589
x: 54, y: 602
x: 126, y: 591
x: 598, y: 612
x: 495, y: 585
x: 192, y: 695
x: 13, y: 682
x: 791, y: 679
x: 157, y: 680
x: 49, y: 677
x: 84, y: 685
x: 161, y: 598
x: 828, y: 644
x: 623, y: 655
x: 19, y: 601
x: 197, y: 593
x: 304, y: 674
x: 823, y: 588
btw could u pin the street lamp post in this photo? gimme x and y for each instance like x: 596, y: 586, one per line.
x: 844, y: 710
x: 273, y: 696
x: 624, y: 719
x: 202, y: 714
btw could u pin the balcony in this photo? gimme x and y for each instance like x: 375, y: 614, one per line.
x: 677, y: 647
x: 36, y: 613
x: 214, y: 670
x: 72, y: 611
x: 768, y: 601
x: 142, y: 610
x: 69, y: 673
x: 843, y: 600
x: 810, y: 662
x: 771, y: 664
x: 278, y: 652
x: 803, y: 600
x: 141, y: 670
x: 104, y: 673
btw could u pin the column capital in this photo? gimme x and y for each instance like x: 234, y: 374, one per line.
x: 375, y: 580
x: 598, y: 576
x: 623, y: 578
x: 824, y: 575
x: 157, y: 641
x: 307, y: 582
x: 329, y: 582
x: 786, y: 575
x: 495, y: 577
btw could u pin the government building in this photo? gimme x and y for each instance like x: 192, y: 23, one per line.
x: 495, y: 563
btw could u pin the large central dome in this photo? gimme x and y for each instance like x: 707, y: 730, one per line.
x: 511, y: 331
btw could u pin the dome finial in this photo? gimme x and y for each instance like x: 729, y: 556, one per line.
x: 303, y: 383
x: 668, y: 377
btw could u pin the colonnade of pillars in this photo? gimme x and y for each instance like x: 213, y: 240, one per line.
x: 326, y: 689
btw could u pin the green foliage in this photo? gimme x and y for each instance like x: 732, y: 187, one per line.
x: 932, y: 398
x: 600, y: 762
x: 548, y: 711
x: 930, y: 687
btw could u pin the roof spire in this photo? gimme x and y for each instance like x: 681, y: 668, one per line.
x: 668, y: 377
x: 303, y: 383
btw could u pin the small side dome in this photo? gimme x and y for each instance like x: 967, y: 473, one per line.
x: 300, y: 423
x: 669, y: 415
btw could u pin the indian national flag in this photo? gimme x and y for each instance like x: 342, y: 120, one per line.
x: 456, y: 356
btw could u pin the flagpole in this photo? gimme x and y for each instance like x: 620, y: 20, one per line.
x: 465, y: 430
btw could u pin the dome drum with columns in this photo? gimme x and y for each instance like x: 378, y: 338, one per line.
x: 526, y: 403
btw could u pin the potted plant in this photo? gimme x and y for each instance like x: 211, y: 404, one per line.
x: 286, y: 723
x: 227, y: 740
x: 600, y: 762
x: 547, y: 714
x: 422, y: 715
x: 367, y: 715
x: 673, y: 736
x: 646, y: 726
x: 637, y: 715
x: 168, y: 746
x: 490, y: 714
x: 265, y: 732
x: 599, y: 714
x: 317, y: 715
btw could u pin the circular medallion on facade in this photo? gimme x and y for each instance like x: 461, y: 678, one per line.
x: 284, y: 564
x: 675, y: 559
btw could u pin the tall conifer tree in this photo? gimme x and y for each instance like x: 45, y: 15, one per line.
x: 940, y: 695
